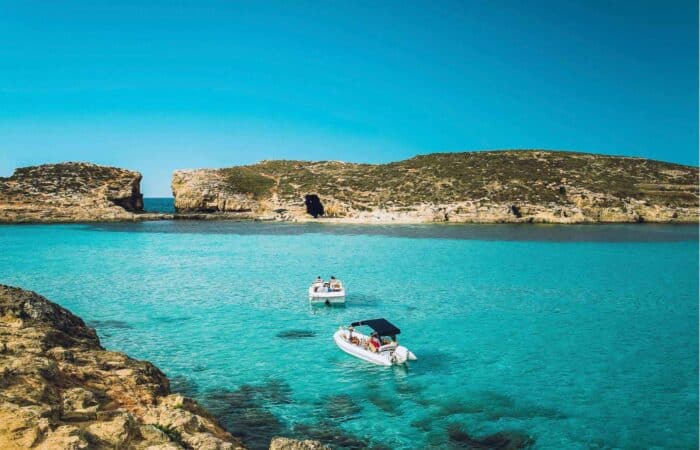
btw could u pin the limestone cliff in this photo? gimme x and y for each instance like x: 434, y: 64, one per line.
x: 70, y: 192
x: 497, y: 186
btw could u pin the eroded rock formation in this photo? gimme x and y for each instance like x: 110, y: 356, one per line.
x: 486, y: 187
x: 59, y: 389
x: 70, y: 192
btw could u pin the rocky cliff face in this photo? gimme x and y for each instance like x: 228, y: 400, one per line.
x: 59, y: 389
x: 70, y: 192
x: 503, y: 186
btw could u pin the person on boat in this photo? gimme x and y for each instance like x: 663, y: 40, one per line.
x: 335, y: 284
x: 318, y: 282
x: 352, y: 339
x: 374, y: 344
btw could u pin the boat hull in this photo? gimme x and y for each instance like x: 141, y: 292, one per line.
x: 332, y: 298
x: 380, y: 359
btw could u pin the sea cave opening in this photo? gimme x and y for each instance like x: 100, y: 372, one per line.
x: 313, y: 205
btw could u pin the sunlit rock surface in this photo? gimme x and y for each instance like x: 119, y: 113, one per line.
x: 70, y: 192
x: 61, y: 390
x: 480, y: 187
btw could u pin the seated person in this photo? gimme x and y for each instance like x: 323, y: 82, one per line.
x: 374, y: 344
x: 353, y: 339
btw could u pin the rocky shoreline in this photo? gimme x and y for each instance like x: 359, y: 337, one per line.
x: 61, y: 389
x: 474, y: 187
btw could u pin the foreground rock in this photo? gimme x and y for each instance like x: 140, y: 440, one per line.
x: 280, y: 443
x: 59, y: 389
x: 487, y: 187
x: 70, y: 192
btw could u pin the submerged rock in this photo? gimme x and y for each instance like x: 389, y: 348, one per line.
x: 331, y: 434
x: 245, y: 412
x: 503, y: 440
x: 296, y: 334
x: 341, y: 407
x: 183, y: 385
x: 281, y: 443
x: 118, y: 324
x: 61, y: 389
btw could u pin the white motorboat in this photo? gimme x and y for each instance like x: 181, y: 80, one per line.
x: 380, y: 348
x: 329, y: 293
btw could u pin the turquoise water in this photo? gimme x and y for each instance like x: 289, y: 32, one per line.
x: 159, y: 204
x: 570, y: 337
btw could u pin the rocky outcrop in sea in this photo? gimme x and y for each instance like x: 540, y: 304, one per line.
x: 479, y: 187
x: 59, y: 389
x: 71, y: 192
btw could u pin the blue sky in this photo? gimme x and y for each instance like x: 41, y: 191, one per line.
x: 156, y: 86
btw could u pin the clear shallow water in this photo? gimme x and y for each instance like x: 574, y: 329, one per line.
x: 579, y: 337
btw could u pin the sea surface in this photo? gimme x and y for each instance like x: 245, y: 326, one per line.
x: 565, y: 337
x: 159, y: 204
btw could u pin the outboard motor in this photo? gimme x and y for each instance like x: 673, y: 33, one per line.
x: 400, y: 355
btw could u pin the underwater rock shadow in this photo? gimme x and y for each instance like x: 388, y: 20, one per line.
x: 431, y: 361
x: 109, y: 324
x: 244, y: 412
x: 341, y: 407
x: 330, y: 434
x: 495, y: 406
x: 361, y: 299
x: 170, y: 319
x: 181, y: 384
x: 502, y: 440
x: 296, y: 334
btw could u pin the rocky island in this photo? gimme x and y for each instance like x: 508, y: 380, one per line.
x: 479, y: 187
x: 71, y: 192
x: 59, y: 389
x: 514, y: 186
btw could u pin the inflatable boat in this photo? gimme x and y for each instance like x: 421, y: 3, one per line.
x: 380, y: 348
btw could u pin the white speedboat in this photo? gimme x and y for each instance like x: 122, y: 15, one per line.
x: 380, y: 348
x: 329, y: 293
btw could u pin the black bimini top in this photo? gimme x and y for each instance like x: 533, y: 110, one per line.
x: 382, y: 326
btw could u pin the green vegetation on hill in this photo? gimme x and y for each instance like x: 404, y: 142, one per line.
x: 243, y: 180
x: 495, y: 176
x: 75, y: 177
